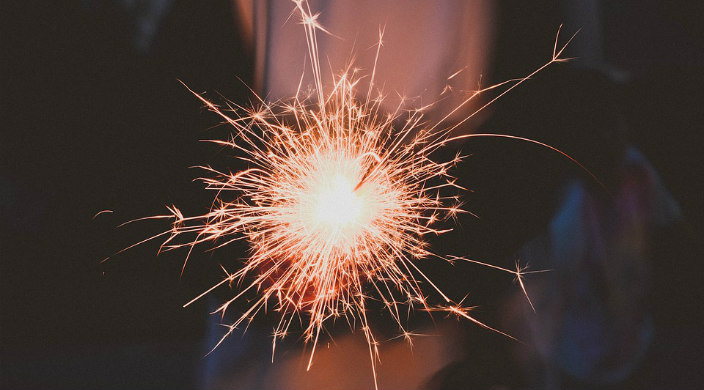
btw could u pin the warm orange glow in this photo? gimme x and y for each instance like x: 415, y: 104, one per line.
x: 336, y: 204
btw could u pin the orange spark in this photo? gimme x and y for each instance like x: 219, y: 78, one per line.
x: 336, y: 204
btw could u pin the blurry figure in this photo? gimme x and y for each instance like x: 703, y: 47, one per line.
x: 592, y: 320
x: 593, y: 324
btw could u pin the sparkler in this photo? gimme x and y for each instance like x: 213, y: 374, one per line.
x: 336, y: 204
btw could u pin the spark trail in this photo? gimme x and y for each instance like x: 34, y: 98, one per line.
x: 336, y: 203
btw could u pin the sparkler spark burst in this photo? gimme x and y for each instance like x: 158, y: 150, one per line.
x: 336, y: 204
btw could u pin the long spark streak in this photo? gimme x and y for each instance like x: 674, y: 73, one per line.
x: 335, y: 204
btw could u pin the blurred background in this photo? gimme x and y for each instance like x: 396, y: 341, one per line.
x: 94, y: 118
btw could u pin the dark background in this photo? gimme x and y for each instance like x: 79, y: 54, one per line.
x: 91, y: 123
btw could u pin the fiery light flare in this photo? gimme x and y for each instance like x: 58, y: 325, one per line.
x: 336, y: 203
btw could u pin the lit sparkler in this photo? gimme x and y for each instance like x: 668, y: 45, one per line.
x: 336, y: 204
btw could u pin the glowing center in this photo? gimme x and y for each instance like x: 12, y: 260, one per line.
x: 331, y: 212
x: 336, y: 205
